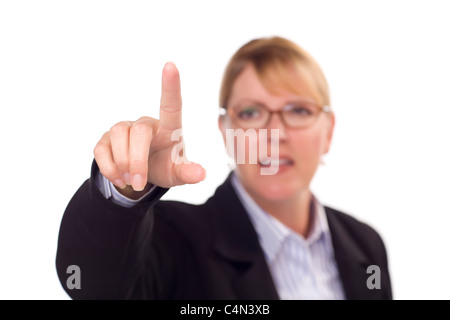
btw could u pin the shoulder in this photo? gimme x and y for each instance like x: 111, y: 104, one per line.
x: 351, y: 224
x: 346, y: 226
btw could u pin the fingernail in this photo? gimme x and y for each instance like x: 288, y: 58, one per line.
x: 120, y: 183
x: 138, y: 182
x: 169, y: 64
x: 126, y: 177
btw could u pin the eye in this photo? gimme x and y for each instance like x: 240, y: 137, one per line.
x: 298, y: 110
x: 248, y: 113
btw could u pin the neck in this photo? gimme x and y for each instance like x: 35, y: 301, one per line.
x: 293, y: 212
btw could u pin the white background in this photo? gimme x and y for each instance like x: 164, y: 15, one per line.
x: 69, y: 70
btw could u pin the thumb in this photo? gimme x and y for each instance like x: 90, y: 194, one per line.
x: 189, y: 172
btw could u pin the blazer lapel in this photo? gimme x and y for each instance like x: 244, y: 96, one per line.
x: 236, y: 240
x: 351, y: 261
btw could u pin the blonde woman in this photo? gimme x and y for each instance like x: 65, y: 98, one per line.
x: 262, y: 235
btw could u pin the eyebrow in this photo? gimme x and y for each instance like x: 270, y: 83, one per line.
x: 244, y: 102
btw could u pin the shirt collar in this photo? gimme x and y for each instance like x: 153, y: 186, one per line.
x: 271, y: 232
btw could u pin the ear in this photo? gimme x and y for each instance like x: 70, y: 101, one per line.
x: 329, y: 133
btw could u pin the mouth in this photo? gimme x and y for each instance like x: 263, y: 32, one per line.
x: 276, y: 162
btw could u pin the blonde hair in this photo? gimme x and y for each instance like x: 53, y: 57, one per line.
x: 280, y: 64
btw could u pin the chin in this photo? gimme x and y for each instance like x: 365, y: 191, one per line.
x: 274, y: 193
x: 276, y: 187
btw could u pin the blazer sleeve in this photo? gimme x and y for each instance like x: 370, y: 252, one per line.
x: 111, y: 246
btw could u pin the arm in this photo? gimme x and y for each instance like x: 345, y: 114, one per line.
x: 106, y: 241
x: 114, y: 245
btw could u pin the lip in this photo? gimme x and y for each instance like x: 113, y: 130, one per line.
x: 280, y: 161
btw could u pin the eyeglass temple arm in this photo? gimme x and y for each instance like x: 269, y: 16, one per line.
x: 326, y: 109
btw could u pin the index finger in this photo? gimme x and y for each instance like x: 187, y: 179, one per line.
x: 170, y: 109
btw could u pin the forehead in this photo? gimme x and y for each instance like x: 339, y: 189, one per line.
x: 270, y: 86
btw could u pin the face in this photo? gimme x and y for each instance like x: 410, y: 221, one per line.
x: 300, y: 150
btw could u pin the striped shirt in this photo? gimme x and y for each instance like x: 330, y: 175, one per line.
x: 301, y: 268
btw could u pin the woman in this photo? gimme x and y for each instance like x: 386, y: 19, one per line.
x: 260, y: 236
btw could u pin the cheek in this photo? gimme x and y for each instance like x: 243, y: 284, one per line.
x: 308, y: 145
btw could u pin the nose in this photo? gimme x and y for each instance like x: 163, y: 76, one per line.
x: 276, y: 123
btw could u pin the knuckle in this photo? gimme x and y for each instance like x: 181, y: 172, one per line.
x: 146, y: 118
x: 141, y: 128
x: 100, y: 149
x: 120, y: 128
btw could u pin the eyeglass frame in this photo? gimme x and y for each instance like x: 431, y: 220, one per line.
x: 223, y: 111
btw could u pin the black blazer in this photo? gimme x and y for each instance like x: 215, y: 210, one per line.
x: 174, y: 250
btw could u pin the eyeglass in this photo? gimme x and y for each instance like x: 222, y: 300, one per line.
x: 295, y: 115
